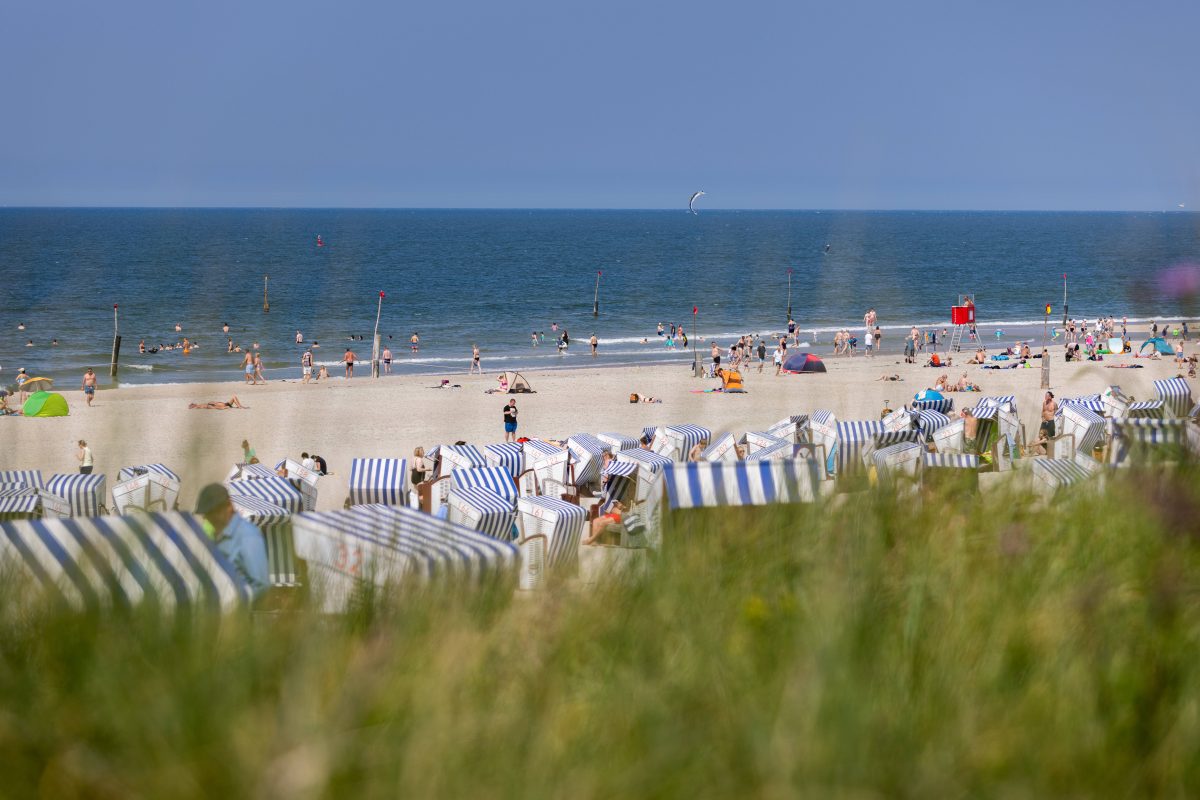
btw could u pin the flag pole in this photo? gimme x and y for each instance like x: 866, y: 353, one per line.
x: 596, y: 300
x: 695, y: 358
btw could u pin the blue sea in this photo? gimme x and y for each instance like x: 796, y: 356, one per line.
x: 493, y: 277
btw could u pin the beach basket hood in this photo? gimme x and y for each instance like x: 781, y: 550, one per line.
x: 46, y: 404
x: 803, y: 362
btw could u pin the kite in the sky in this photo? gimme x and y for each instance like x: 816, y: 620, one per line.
x: 692, y: 201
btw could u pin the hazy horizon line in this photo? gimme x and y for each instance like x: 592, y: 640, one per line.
x: 7, y: 207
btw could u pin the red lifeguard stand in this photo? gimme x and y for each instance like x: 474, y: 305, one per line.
x: 962, y: 317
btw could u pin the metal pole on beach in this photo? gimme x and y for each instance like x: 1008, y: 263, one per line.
x: 266, y: 303
x: 1064, y: 300
x: 596, y: 301
x: 116, y: 351
x: 696, y: 368
x: 1045, y: 355
x: 375, y: 339
x: 789, y: 292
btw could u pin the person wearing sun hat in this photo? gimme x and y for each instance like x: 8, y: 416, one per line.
x: 236, y: 537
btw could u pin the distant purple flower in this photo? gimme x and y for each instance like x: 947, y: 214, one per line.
x: 1180, y: 280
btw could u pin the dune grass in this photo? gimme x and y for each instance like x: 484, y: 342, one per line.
x: 875, y: 647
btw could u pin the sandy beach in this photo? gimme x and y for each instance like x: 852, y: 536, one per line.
x: 341, y: 420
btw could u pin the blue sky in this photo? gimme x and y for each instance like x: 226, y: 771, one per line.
x: 948, y: 105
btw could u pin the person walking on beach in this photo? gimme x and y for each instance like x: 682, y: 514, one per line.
x: 89, y: 385
x: 349, y: 358
x: 258, y: 369
x: 306, y: 365
x: 84, y: 456
x: 386, y: 355
x: 716, y: 357
x: 474, y: 360
x: 248, y: 367
x: 778, y: 361
x: 762, y: 354
x: 510, y: 421
x: 594, y: 342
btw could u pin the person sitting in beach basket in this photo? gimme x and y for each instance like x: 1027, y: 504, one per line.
x: 605, y: 528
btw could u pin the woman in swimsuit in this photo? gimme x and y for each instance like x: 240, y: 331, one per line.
x: 217, y: 405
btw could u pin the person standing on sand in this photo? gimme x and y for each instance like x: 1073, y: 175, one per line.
x: 762, y: 354
x: 715, y: 352
x: 84, y: 456
x: 593, y: 342
x: 349, y: 358
x: 248, y: 367
x: 1048, y: 409
x: 878, y: 338
x: 306, y: 365
x: 510, y: 421
x: 258, y: 369
x: 474, y: 360
x: 387, y: 360
x: 89, y: 385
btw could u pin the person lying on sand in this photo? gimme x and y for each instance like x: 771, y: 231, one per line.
x: 889, y: 378
x: 217, y: 405
x: 636, y: 398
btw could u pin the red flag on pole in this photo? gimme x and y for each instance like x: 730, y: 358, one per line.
x: 695, y: 310
x: 381, y: 294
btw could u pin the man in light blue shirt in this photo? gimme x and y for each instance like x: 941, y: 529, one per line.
x: 238, y: 539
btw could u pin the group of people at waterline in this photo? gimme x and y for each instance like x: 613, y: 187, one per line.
x: 740, y: 354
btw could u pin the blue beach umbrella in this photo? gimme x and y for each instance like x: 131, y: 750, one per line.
x: 927, y: 394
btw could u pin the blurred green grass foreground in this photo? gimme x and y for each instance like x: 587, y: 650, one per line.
x: 945, y: 646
